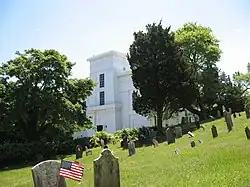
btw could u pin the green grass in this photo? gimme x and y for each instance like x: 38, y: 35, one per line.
x: 223, y: 161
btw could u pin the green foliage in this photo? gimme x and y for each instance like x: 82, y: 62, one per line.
x: 131, y: 133
x: 158, y: 71
x: 16, y: 153
x: 95, y: 140
x: 38, y: 97
x: 202, y: 51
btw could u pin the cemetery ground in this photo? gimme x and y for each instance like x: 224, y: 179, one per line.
x: 220, y: 161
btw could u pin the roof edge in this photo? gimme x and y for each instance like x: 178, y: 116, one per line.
x: 106, y: 54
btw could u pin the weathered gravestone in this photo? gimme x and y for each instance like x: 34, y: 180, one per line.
x: 106, y: 170
x: 228, y: 120
x: 214, y: 131
x: 78, y: 151
x: 131, y: 148
x: 170, y: 135
x: 178, y: 132
x: 218, y: 114
x: 234, y: 115
x: 102, y: 143
x: 46, y: 174
x: 155, y: 142
x: 247, y: 131
x: 192, y: 143
x: 124, y: 142
x: 247, y: 111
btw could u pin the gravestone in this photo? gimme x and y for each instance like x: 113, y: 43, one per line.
x: 78, y: 151
x: 131, y: 148
x: 247, y: 131
x: 214, y: 131
x: 228, y: 120
x: 177, y: 151
x: 106, y: 170
x: 170, y: 135
x: 223, y: 109
x: 102, y: 143
x: 178, y: 132
x: 247, y: 112
x: 155, y: 142
x: 191, y: 135
x: 239, y: 114
x: 218, y: 114
x: 234, y: 115
x: 125, y: 142
x: 192, y: 143
x: 46, y: 174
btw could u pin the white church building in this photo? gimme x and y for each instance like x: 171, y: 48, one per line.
x: 110, y: 106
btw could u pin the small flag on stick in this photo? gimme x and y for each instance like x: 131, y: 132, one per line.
x: 71, y: 170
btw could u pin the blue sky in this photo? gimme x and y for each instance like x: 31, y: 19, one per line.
x: 83, y: 28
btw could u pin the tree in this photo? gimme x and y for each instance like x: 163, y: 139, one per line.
x: 230, y: 94
x: 40, y: 97
x: 202, y: 51
x: 159, y: 71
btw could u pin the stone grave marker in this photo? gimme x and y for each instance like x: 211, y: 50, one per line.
x: 228, y: 120
x: 102, y: 143
x: 200, y: 141
x: 218, y: 114
x: 106, y: 170
x: 46, y: 174
x: 214, y: 131
x: 234, y: 115
x: 191, y: 135
x: 124, y: 142
x: 247, y: 112
x: 79, y: 151
x: 155, y: 142
x: 170, y: 134
x: 131, y: 148
x: 247, y: 131
x: 178, y: 132
x: 192, y: 143
x: 177, y: 151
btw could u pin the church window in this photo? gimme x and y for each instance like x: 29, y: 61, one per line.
x: 102, y: 98
x: 101, y: 80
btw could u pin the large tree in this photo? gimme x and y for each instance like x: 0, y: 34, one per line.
x: 202, y: 51
x: 39, y: 95
x: 159, y: 71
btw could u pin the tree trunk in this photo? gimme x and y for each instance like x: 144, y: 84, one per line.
x: 159, y: 119
x: 201, y: 115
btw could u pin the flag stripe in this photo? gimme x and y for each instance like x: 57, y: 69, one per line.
x: 71, y: 170
x: 78, y: 174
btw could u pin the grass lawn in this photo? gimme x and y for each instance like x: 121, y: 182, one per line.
x: 223, y: 161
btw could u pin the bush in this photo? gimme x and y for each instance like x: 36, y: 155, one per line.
x: 21, y: 153
x: 95, y: 140
x: 132, y: 134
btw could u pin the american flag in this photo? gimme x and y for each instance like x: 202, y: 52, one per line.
x: 71, y: 170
